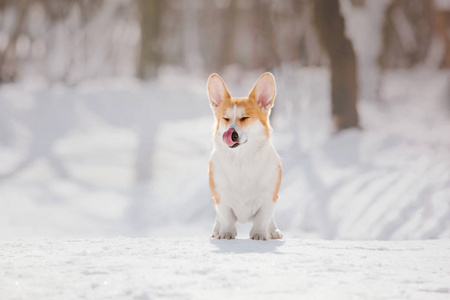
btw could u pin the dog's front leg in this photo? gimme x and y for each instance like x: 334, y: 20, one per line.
x: 274, y: 232
x: 261, y: 220
x: 216, y: 228
x: 227, y: 221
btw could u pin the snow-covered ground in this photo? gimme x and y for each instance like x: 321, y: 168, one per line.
x: 199, y: 268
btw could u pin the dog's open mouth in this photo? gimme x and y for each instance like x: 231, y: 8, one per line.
x: 232, y: 138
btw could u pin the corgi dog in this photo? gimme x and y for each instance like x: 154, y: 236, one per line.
x: 244, y: 169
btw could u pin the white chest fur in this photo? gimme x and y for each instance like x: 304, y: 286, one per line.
x: 245, y: 178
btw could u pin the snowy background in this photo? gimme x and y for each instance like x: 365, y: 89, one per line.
x: 103, y: 165
x: 73, y: 158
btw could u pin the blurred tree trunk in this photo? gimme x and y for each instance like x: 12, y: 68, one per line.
x: 9, y: 72
x: 266, y: 55
x: 191, y: 40
x: 227, y: 53
x: 407, y: 33
x: 439, y: 23
x: 150, y: 55
x: 344, y: 89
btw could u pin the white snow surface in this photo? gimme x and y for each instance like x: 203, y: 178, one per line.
x: 200, y: 268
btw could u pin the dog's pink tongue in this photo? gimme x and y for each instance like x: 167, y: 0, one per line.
x: 227, y: 137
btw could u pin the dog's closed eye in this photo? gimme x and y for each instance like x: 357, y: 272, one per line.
x: 226, y: 119
x: 243, y: 119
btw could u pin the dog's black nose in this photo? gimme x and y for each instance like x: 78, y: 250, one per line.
x: 234, y: 136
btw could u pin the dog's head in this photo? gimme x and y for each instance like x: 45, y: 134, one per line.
x: 242, y: 120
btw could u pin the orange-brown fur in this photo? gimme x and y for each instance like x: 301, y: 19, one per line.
x: 215, y: 197
x: 277, y: 188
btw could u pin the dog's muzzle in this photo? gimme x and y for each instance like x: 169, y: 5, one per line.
x: 231, y: 138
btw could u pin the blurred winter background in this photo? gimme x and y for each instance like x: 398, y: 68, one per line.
x: 105, y: 125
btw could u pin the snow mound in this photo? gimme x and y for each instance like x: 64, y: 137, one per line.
x: 113, y: 157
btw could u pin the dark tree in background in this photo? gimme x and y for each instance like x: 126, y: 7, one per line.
x: 151, y: 12
x: 8, y: 69
x: 407, y: 33
x: 439, y: 23
x: 227, y: 55
x: 266, y: 55
x: 330, y: 27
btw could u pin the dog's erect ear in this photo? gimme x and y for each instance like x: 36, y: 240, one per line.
x: 264, y: 92
x: 217, y: 91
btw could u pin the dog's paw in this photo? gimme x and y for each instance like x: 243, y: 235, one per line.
x: 226, y: 236
x: 276, y: 235
x: 214, y: 235
x: 258, y: 237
